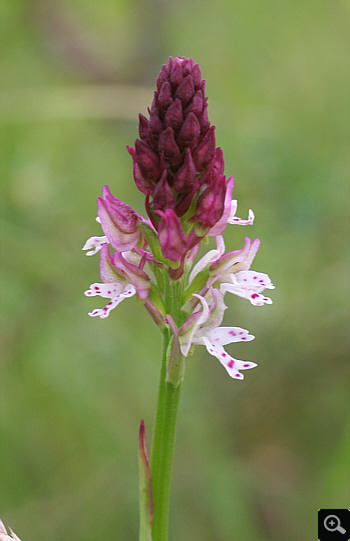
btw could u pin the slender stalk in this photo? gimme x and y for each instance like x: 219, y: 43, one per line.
x: 163, y: 449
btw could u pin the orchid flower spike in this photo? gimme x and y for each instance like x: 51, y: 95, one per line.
x: 188, y: 199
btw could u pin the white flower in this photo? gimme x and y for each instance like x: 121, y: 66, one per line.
x: 202, y: 327
x: 94, y: 244
x: 117, y: 292
x: 4, y: 536
x: 230, y: 271
x: 247, y: 284
x: 233, y: 219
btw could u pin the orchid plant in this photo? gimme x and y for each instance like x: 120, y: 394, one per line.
x: 180, y: 171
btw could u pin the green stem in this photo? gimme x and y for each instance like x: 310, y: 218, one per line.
x: 163, y: 448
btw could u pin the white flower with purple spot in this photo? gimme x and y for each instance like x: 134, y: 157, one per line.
x: 94, y: 244
x: 202, y: 328
x: 117, y: 292
x: 247, y: 284
x: 233, y: 219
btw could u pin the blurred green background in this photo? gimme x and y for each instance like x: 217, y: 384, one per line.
x: 254, y: 460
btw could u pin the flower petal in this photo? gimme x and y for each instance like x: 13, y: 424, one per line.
x: 216, y: 313
x: 235, y: 259
x: 5, y: 536
x: 118, y: 220
x: 233, y: 219
x: 227, y: 335
x: 193, y: 322
x: 219, y: 227
x: 116, y: 292
x: 107, y: 291
x: 108, y: 271
x: 255, y: 298
x: 94, y: 244
x: 209, y: 257
x: 247, y: 284
x: 134, y: 274
x: 254, y: 280
x: 232, y: 365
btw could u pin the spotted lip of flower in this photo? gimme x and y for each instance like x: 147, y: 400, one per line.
x: 231, y: 271
x: 249, y: 285
x: 202, y: 327
x: 119, y: 221
x: 121, y: 279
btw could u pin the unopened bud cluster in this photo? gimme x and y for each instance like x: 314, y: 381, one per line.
x: 176, y: 163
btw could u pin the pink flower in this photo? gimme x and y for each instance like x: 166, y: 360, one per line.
x: 119, y: 221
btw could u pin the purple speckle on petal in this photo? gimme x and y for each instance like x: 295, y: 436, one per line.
x: 232, y: 333
x: 223, y: 354
x: 244, y: 338
x: 254, y: 296
x: 230, y: 364
x: 238, y: 375
x: 246, y: 365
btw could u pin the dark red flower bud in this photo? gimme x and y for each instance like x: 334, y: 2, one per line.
x: 168, y: 145
x: 205, y: 151
x: 211, y: 203
x: 189, y: 133
x: 164, y: 97
x: 155, y: 124
x: 215, y: 168
x: 204, y: 120
x: 174, y: 116
x: 187, y: 66
x: 196, y: 75
x: 163, y: 196
x: 176, y: 156
x: 143, y: 127
x: 163, y: 76
x: 185, y: 200
x: 218, y: 161
x: 186, y: 175
x: 143, y: 184
x: 185, y: 90
x: 175, y: 73
x: 147, y: 160
x: 196, y: 105
x: 172, y: 238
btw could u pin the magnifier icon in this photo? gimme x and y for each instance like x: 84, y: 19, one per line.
x: 332, y: 524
